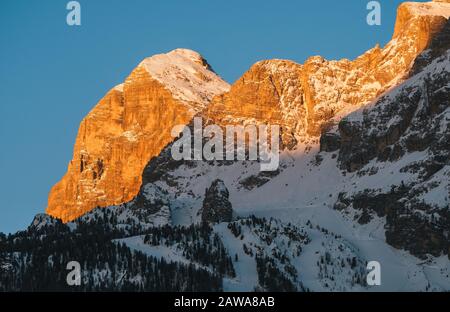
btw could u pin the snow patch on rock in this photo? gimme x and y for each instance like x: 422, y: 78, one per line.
x: 187, y: 75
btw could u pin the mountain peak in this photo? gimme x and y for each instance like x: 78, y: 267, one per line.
x: 433, y: 8
x: 189, y: 54
x: 42, y: 220
x: 308, y: 98
x: 129, y: 126
x: 411, y: 16
x: 186, y: 74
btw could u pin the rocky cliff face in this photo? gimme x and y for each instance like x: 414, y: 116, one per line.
x: 131, y: 124
x: 306, y: 99
x: 402, y: 120
x: 411, y: 120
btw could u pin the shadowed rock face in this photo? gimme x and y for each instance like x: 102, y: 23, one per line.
x: 131, y: 124
x: 216, y: 206
x: 403, y: 122
x: 413, y: 118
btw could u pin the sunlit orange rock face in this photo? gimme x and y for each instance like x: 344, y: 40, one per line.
x: 131, y: 124
x: 133, y: 121
x: 305, y: 99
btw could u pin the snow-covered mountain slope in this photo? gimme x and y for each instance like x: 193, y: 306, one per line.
x: 187, y: 75
x: 407, y: 132
x: 378, y: 180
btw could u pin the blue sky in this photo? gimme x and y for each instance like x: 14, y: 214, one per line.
x: 51, y: 74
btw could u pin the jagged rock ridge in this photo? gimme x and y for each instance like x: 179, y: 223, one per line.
x: 306, y: 99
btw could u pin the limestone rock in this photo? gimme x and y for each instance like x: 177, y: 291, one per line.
x: 129, y: 126
x: 307, y: 99
x: 132, y: 123
x: 216, y: 206
x: 41, y: 221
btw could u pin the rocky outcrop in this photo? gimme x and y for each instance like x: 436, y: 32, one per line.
x: 410, y: 127
x: 42, y: 221
x: 419, y: 228
x: 330, y: 142
x: 216, y: 205
x: 307, y: 99
x: 407, y: 120
x: 129, y: 126
x: 259, y: 179
x: 438, y: 46
x: 412, y: 225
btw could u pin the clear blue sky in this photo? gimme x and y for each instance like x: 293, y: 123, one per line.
x: 51, y: 74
